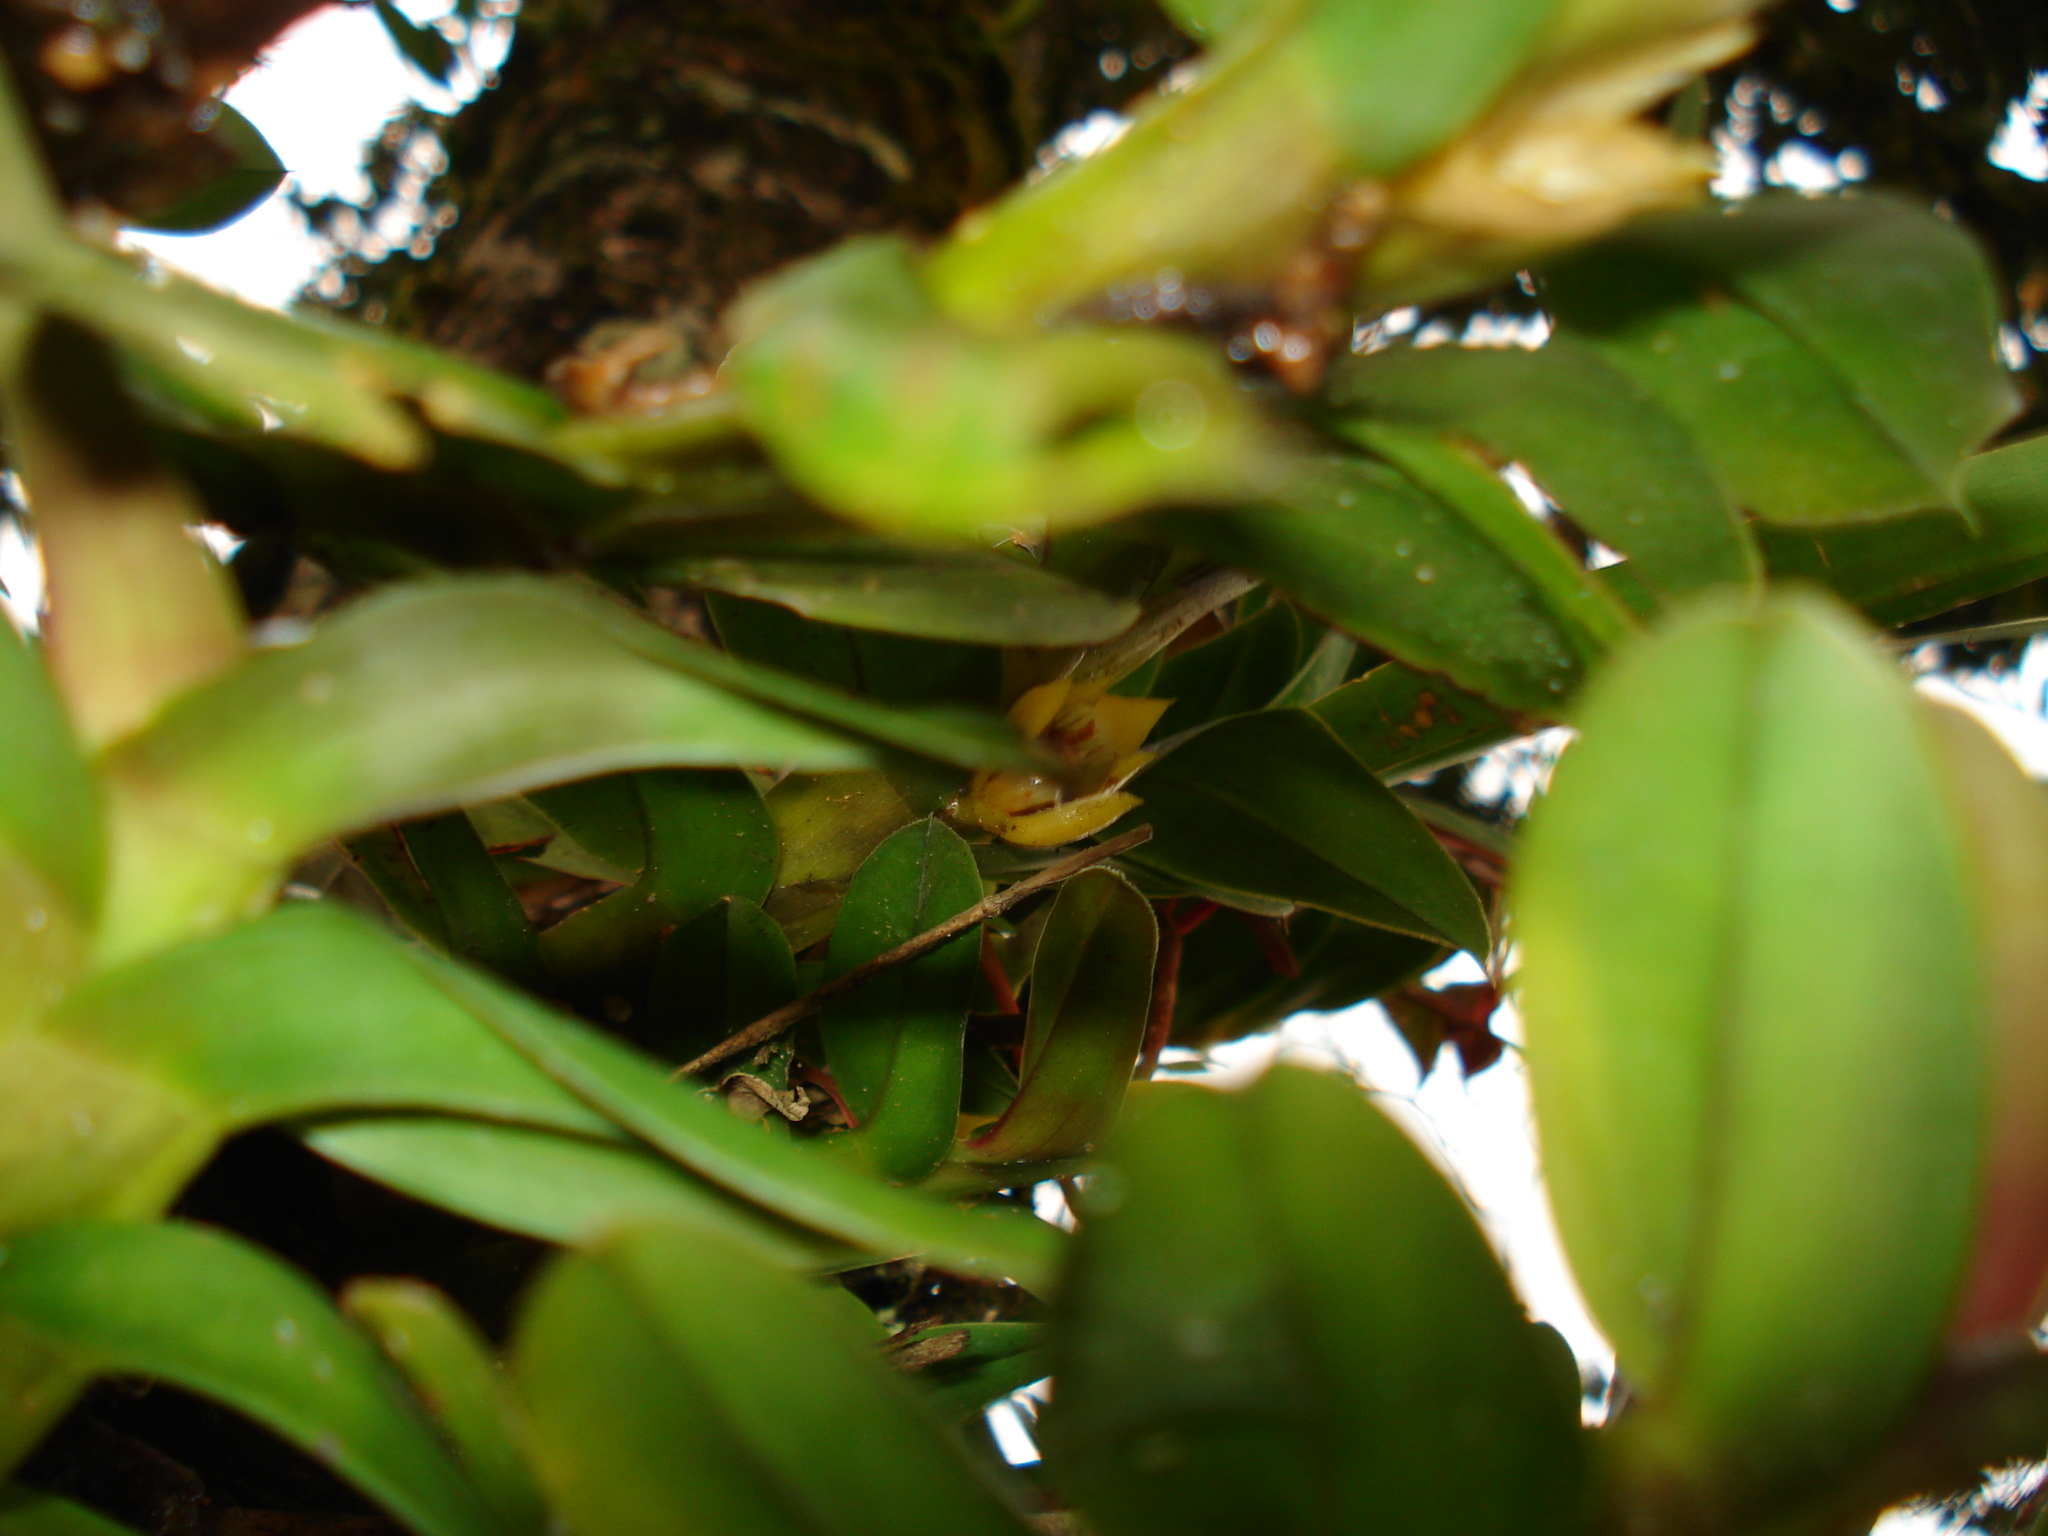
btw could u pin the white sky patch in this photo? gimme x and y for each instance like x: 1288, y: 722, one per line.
x: 2009, y: 704
x: 1534, y: 499
x: 21, y: 576
x: 319, y: 94
x: 1077, y: 141
x: 2019, y: 146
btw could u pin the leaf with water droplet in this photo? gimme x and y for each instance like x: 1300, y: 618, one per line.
x: 1834, y: 358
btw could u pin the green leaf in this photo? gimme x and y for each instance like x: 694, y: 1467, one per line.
x: 793, y: 1181
x: 1589, y: 613
x: 303, y: 1012
x: 429, y: 51
x: 678, y: 1383
x: 899, y: 669
x: 1223, y: 181
x: 451, y: 1371
x: 49, y: 805
x: 940, y: 593
x: 883, y: 408
x: 382, y: 858
x: 1400, y: 722
x: 1915, y: 567
x: 965, y: 1367
x: 560, y: 1189
x: 112, y: 1298
x: 28, y: 1512
x: 38, y: 221
x: 1686, y: 1051
x: 252, y: 174
x: 139, y: 611
x: 429, y: 696
x: 1091, y: 995
x: 722, y: 970
x: 894, y: 1043
x: 123, y: 1092
x: 708, y: 838
x: 1362, y: 545
x: 1280, y: 1318
x: 478, y: 909
x: 51, y: 844
x: 1241, y: 670
x: 967, y: 738
x: 1621, y: 466
x: 334, y: 383
x: 1229, y: 988
x: 1323, y: 670
x: 1834, y: 357
x: 1273, y: 805
x: 603, y: 817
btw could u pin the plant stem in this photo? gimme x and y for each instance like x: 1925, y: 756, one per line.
x: 1159, y: 626
x: 768, y: 1026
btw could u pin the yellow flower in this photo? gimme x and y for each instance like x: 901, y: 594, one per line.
x: 1095, y: 735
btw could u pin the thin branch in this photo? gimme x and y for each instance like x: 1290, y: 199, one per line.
x: 1159, y: 626
x: 768, y: 1026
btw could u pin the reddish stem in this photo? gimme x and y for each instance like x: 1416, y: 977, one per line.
x: 998, y: 979
x: 1165, y: 993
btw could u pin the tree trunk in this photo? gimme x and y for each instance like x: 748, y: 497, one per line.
x: 640, y: 161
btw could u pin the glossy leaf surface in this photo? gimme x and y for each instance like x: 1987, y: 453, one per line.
x: 1400, y: 722
x: 1835, y: 358
x: 1621, y: 466
x: 1273, y: 805
x: 1091, y: 995
x: 1686, y: 1051
x: 118, y: 1299
x: 1588, y: 612
x: 894, y: 1043
x: 677, y: 1383
x: 1280, y: 1318
x: 1914, y: 567
x: 1360, y: 544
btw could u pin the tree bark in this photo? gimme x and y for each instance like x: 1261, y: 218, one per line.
x: 642, y: 160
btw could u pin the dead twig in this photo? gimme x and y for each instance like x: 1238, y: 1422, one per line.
x: 768, y: 1026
